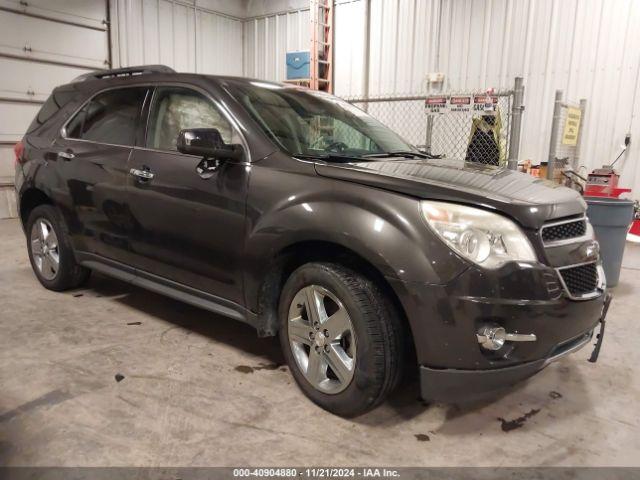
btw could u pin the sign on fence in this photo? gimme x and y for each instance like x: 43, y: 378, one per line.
x: 571, y: 126
x: 460, y: 104
x: 485, y: 103
x: 436, y: 104
x: 439, y: 104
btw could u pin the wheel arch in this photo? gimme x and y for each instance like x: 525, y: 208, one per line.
x: 30, y: 199
x: 300, y: 253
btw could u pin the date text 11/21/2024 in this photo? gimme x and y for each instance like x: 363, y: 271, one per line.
x: 318, y: 472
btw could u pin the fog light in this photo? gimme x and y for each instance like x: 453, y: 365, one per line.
x: 492, y: 338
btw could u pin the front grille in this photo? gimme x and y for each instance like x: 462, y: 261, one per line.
x: 563, y: 231
x: 580, y: 280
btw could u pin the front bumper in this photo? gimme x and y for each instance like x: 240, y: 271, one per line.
x: 451, y: 385
x: 444, y: 320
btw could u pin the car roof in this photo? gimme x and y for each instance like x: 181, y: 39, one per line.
x: 157, y: 73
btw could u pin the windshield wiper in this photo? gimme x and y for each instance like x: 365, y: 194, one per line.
x: 330, y: 157
x: 399, y: 153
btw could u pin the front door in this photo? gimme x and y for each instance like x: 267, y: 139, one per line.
x: 188, y: 228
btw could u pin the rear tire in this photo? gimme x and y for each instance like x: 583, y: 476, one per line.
x: 50, y: 250
x: 346, y: 353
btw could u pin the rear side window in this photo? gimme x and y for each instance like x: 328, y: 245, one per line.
x: 110, y: 117
x: 55, y: 102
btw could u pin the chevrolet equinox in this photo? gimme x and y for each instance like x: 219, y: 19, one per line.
x: 303, y: 216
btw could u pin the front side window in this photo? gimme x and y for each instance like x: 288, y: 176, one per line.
x: 178, y: 108
x: 304, y: 122
x: 110, y: 117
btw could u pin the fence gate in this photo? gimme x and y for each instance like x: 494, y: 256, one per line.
x: 467, y: 125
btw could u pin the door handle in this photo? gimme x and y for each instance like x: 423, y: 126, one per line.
x: 68, y: 155
x: 142, y: 174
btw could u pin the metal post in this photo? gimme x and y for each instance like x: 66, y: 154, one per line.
x: 516, y: 124
x: 313, y: 54
x: 109, y: 34
x: 367, y: 52
x: 428, y: 140
x: 575, y: 163
x: 429, y: 134
x: 555, y: 128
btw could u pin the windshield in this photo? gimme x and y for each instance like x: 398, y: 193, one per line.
x: 311, y: 123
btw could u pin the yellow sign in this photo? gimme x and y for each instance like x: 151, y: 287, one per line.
x: 572, y: 126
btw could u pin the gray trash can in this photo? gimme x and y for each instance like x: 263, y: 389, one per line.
x: 611, y: 218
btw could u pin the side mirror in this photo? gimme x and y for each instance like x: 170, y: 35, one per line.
x: 207, y: 143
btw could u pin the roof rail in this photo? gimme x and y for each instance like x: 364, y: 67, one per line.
x: 123, y: 72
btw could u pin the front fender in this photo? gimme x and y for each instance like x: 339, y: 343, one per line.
x: 384, y: 228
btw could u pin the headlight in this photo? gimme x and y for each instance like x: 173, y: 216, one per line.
x: 485, y: 238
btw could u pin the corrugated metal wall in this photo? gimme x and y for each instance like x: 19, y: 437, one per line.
x: 268, y: 38
x: 588, y: 48
x: 349, y: 61
x: 186, y: 36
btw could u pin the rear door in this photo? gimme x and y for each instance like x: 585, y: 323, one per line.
x: 91, y: 157
x: 188, y: 228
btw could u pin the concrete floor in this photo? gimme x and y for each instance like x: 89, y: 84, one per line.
x: 199, y: 390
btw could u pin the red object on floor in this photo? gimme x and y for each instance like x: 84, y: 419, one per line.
x: 635, y: 228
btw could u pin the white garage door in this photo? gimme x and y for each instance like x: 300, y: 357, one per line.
x: 43, y: 43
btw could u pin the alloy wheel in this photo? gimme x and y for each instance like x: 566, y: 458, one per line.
x: 45, y: 248
x: 322, y: 339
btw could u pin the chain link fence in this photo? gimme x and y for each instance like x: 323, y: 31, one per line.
x: 472, y: 125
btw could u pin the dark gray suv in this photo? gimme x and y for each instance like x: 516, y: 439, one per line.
x: 300, y: 214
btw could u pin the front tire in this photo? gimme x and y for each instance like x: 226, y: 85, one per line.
x: 50, y: 250
x: 341, y: 336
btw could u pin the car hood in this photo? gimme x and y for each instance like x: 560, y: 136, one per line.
x: 530, y: 201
